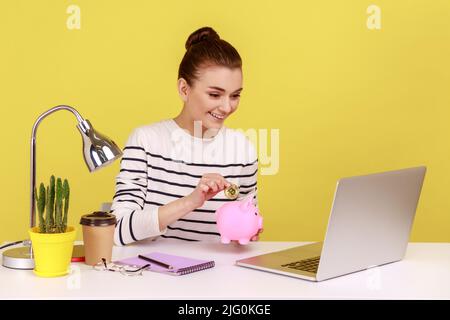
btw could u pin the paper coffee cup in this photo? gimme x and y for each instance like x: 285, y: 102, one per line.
x: 98, y: 236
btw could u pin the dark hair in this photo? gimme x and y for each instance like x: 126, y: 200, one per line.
x: 204, y: 48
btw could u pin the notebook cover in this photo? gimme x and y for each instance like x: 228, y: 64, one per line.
x: 181, y: 265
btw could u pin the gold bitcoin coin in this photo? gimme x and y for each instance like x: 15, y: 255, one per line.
x: 232, y: 192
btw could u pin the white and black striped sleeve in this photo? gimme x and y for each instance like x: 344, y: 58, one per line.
x: 134, y: 223
x: 249, y: 175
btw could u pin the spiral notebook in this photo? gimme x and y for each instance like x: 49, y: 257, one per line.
x: 181, y: 265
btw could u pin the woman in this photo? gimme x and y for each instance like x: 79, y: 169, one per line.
x: 173, y: 172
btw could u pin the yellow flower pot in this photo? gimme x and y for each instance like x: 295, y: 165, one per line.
x: 52, y: 252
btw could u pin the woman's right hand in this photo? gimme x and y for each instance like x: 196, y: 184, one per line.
x: 209, y: 185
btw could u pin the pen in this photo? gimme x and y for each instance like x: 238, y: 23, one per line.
x: 156, y: 262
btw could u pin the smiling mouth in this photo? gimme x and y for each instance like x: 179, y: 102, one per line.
x: 216, y: 116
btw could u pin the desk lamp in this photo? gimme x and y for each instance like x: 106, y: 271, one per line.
x: 98, y: 151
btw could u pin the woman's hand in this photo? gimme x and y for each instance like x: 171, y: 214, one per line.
x: 256, y: 236
x: 209, y: 185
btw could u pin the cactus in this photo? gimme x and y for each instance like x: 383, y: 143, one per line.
x: 58, y: 205
x: 49, y: 210
x: 41, y: 201
x: 47, y: 200
x: 51, y: 200
x: 66, y: 195
x: 50, y: 221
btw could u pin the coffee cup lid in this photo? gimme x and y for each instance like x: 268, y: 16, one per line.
x: 98, y: 219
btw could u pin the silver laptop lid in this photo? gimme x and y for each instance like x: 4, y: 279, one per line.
x: 370, y: 221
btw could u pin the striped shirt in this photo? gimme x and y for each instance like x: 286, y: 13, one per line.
x: 162, y: 163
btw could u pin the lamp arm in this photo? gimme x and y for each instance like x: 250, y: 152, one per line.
x: 33, y: 153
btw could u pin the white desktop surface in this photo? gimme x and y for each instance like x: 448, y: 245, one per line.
x: 423, y: 274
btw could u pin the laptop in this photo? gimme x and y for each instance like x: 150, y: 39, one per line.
x: 369, y: 225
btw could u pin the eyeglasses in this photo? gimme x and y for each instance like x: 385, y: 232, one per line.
x: 125, y: 270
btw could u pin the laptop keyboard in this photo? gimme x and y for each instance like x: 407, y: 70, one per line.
x: 309, y: 265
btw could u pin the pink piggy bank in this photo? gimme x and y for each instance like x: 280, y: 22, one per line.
x: 238, y: 220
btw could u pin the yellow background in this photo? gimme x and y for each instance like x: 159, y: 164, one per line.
x: 347, y: 100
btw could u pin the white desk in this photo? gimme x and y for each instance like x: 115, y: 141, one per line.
x: 423, y: 274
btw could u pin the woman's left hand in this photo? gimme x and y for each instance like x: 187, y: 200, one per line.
x: 256, y: 236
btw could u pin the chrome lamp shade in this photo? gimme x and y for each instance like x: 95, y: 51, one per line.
x: 98, y: 149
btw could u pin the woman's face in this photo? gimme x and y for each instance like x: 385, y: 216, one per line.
x: 214, y: 96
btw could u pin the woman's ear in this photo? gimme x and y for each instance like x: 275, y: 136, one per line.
x: 183, y: 89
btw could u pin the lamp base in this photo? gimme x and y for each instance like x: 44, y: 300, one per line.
x: 22, y: 258
x: 18, y: 258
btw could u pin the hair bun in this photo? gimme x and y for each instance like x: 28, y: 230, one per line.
x: 202, y: 34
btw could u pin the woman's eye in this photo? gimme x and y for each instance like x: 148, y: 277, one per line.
x: 214, y: 95
x: 236, y: 96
